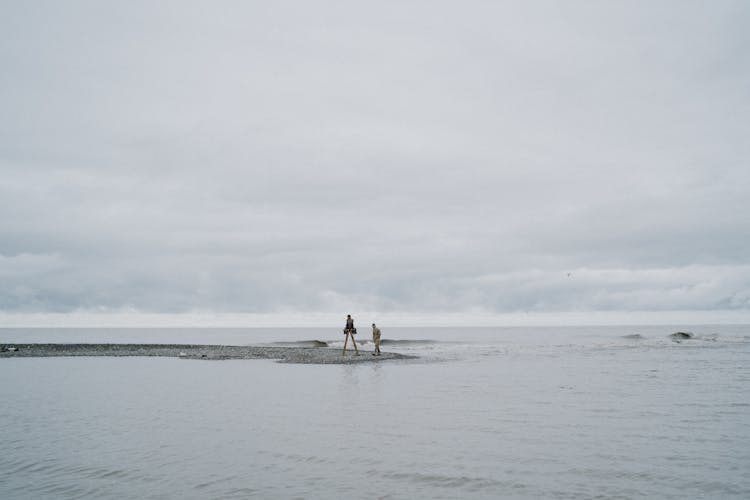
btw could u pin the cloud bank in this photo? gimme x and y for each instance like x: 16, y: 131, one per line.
x: 430, y: 157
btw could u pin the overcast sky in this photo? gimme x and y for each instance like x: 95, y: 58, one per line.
x: 397, y: 157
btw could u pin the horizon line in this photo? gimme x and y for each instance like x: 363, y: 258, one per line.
x: 297, y: 319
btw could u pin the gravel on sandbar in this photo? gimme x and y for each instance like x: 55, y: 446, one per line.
x: 303, y: 355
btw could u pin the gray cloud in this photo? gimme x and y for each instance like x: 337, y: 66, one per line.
x: 418, y: 156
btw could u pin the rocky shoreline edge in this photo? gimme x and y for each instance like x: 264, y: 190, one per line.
x: 301, y: 355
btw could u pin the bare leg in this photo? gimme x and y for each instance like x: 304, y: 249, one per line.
x: 346, y: 339
x: 356, y: 351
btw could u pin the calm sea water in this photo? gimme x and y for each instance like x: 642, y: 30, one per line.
x: 484, y: 413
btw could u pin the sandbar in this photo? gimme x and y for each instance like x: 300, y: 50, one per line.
x: 302, y: 355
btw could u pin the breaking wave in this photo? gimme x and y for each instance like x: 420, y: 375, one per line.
x: 681, y: 336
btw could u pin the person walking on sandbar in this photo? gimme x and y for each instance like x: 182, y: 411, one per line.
x: 376, y: 339
x: 350, y: 331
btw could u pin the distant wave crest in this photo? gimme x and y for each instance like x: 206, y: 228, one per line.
x: 302, y: 343
x: 407, y: 342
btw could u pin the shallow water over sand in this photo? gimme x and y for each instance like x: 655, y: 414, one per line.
x: 513, y: 413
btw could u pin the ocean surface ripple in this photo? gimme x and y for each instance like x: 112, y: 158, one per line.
x: 563, y: 413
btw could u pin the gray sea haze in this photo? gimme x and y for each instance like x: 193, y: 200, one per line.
x: 568, y: 412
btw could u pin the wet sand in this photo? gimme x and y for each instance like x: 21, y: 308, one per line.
x: 303, y: 355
